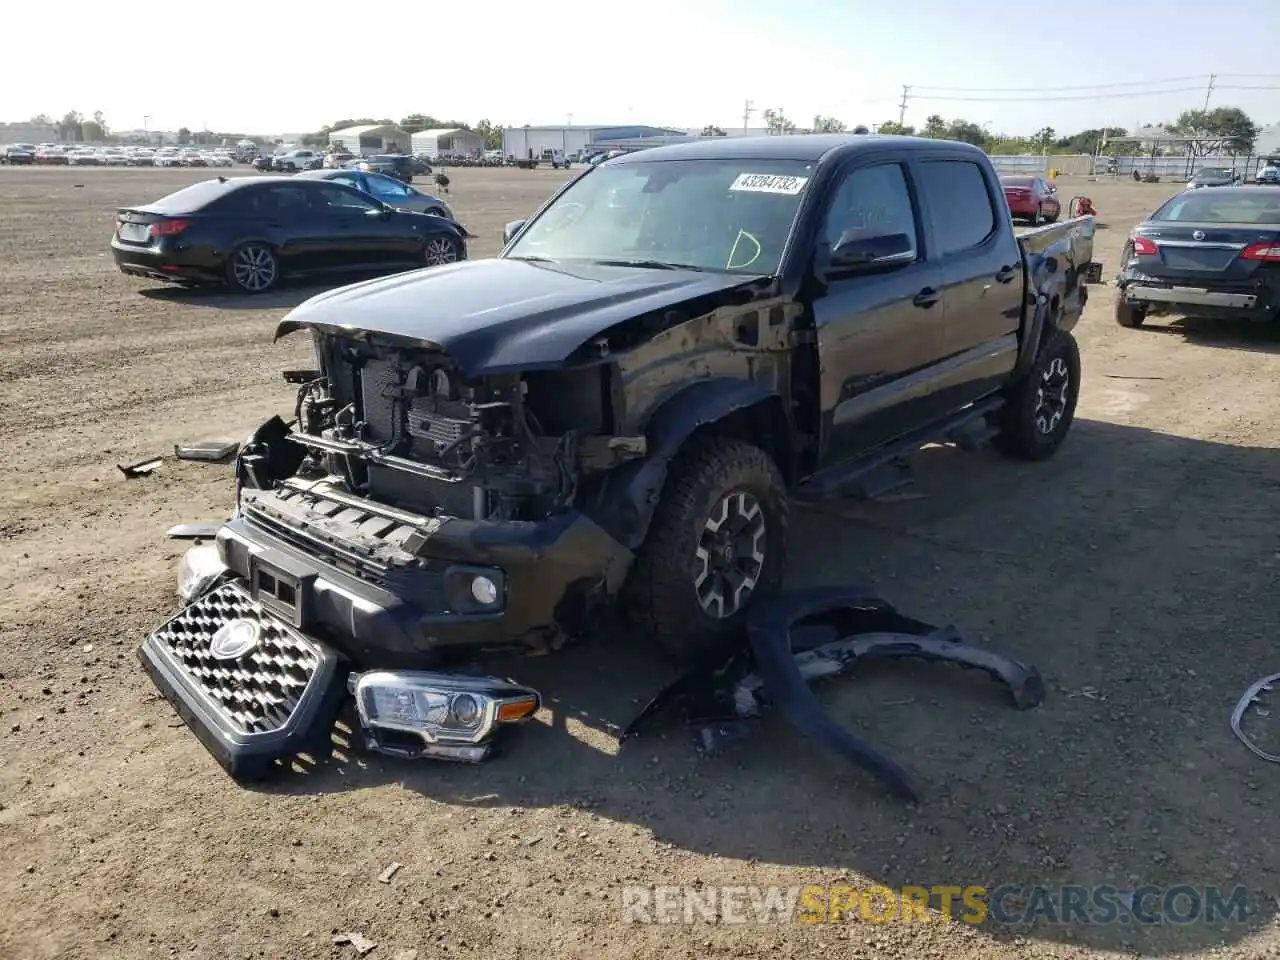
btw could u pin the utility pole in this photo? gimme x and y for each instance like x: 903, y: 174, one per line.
x: 1209, y: 92
x: 748, y: 109
x: 902, y: 107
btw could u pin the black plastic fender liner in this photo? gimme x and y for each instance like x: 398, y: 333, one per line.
x: 808, y: 635
x: 769, y: 632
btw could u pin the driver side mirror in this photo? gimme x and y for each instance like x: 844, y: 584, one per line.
x: 511, y: 229
x: 854, y: 252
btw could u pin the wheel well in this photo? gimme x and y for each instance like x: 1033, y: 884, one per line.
x: 763, y: 424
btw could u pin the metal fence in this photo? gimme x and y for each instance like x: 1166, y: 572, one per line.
x: 1174, y: 168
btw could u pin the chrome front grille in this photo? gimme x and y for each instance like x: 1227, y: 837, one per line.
x: 258, y: 691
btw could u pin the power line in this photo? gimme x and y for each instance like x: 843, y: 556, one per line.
x: 1095, y: 96
x: 1083, y: 86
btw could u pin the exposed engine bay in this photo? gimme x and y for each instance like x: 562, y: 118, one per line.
x: 404, y: 428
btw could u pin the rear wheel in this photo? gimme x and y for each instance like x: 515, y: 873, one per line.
x: 715, y: 549
x: 1041, y: 407
x: 1129, y: 314
x: 253, y: 268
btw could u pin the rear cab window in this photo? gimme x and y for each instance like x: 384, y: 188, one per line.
x: 959, y: 203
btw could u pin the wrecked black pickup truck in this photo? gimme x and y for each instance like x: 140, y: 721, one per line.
x: 612, y: 414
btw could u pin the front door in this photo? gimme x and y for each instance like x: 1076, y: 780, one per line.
x: 363, y: 234
x: 878, y: 331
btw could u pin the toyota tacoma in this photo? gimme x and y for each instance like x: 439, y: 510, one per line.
x: 613, y: 414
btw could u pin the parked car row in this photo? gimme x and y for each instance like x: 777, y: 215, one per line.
x: 79, y: 155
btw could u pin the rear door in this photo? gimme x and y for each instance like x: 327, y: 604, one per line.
x: 979, y: 264
x: 283, y: 211
x: 877, y: 332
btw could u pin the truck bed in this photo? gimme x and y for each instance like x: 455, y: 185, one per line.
x: 1058, y: 263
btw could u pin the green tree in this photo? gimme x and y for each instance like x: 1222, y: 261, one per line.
x: 42, y: 120
x: 92, y: 131
x: 1043, y: 139
x: 492, y: 133
x: 823, y: 124
x: 935, y: 127
x: 1227, y: 128
x: 897, y: 129
x: 776, y: 122
x: 70, y: 127
x: 184, y: 136
x: 711, y: 130
x: 966, y: 132
x: 1088, y: 141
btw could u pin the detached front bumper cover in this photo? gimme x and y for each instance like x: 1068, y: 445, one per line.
x: 813, y: 634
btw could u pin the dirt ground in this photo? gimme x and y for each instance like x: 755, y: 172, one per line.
x: 1137, y: 569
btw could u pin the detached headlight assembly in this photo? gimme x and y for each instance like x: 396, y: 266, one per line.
x: 198, y: 570
x: 412, y: 714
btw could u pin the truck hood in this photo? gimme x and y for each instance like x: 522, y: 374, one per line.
x: 493, y: 316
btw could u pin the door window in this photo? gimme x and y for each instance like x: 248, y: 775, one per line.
x: 337, y: 199
x: 871, y: 202
x: 381, y: 186
x: 955, y: 194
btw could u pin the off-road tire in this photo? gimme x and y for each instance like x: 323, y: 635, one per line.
x: 1128, y: 314
x: 660, y: 598
x: 1021, y: 432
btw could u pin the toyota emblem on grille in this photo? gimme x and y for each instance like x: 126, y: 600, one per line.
x: 234, y: 639
x: 1198, y: 235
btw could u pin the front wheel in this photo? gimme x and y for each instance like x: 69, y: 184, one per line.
x: 1037, y: 218
x: 253, y: 268
x: 715, y: 549
x: 1040, y: 408
x: 441, y: 250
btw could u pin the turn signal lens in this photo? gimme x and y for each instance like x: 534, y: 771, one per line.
x: 1268, y: 252
x: 515, y: 710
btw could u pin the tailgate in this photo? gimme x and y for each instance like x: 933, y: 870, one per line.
x: 1070, y: 243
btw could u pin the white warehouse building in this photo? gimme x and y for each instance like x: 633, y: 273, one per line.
x: 369, y: 140
x: 526, y: 142
x: 450, y: 142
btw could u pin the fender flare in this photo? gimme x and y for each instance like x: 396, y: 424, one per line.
x: 1046, y: 285
x: 630, y: 493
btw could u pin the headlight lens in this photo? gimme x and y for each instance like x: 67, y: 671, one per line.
x: 199, y: 568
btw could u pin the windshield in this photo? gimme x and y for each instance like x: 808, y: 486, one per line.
x: 1226, y: 206
x: 1214, y: 172
x: 723, y: 215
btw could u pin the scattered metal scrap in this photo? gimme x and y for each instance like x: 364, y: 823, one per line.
x: 141, y: 468
x: 1251, y: 697
x: 210, y: 451
x: 810, y: 635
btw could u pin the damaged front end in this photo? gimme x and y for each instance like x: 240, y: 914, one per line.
x: 407, y: 517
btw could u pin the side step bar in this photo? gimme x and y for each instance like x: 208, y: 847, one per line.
x: 866, y: 477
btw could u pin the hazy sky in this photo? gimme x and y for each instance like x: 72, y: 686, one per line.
x: 293, y: 66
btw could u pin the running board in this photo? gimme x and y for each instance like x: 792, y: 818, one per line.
x: 879, y: 472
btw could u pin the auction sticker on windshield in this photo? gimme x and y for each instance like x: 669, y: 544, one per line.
x: 769, y: 183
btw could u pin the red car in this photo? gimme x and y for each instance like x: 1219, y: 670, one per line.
x: 1032, y: 199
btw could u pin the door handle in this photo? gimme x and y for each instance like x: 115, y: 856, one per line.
x: 926, y: 298
x: 1005, y: 275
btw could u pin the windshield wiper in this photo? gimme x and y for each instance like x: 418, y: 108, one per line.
x: 649, y: 264
x: 532, y: 258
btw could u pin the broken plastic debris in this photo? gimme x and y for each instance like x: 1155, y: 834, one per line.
x: 386, y: 875
x: 141, y: 468
x: 358, y: 940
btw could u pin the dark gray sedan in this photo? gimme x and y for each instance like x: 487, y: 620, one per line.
x: 1213, y: 177
x: 387, y: 189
